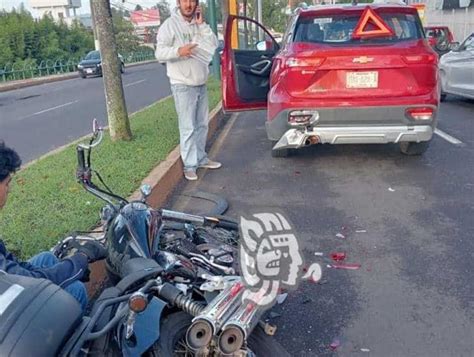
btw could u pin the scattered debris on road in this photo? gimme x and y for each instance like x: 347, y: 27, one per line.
x: 335, y: 344
x: 338, y: 256
x: 344, y: 266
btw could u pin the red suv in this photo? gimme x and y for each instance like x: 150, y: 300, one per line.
x: 345, y: 74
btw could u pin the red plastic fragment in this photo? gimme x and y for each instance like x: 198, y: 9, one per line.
x: 335, y: 344
x: 338, y: 256
x: 346, y: 266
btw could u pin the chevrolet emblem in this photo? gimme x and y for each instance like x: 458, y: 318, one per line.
x: 363, y: 59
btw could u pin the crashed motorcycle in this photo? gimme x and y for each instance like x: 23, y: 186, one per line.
x: 175, y: 290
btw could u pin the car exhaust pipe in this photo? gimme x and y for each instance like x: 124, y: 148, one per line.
x: 311, y: 140
x: 239, y: 326
x: 214, y: 316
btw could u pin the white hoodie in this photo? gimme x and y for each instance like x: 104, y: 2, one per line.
x: 175, y: 33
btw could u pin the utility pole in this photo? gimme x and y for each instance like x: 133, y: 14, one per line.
x: 260, y: 19
x: 119, y: 124
x: 216, y: 60
x: 94, y: 29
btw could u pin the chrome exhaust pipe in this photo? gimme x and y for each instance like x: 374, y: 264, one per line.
x: 311, y: 140
x: 214, y: 316
x: 239, y: 326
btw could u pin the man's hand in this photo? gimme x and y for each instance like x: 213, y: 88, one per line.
x: 92, y: 250
x: 187, y: 50
x: 199, y: 17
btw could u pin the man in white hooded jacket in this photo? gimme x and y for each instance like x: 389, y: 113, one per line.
x: 177, y: 44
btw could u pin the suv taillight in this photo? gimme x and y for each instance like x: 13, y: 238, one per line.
x: 421, y: 59
x: 303, y: 117
x: 420, y: 113
x: 313, y: 62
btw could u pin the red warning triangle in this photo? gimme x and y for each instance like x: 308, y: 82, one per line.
x: 371, y: 25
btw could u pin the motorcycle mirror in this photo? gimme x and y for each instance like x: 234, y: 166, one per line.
x: 95, y: 127
x: 145, y: 190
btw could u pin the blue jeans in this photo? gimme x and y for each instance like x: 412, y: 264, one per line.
x: 193, y: 116
x: 76, y: 289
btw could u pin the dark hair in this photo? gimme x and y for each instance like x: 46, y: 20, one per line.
x: 9, y: 161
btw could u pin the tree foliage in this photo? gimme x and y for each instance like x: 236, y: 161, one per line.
x: 22, y: 38
x: 126, y: 39
x: 25, y: 40
x: 164, y: 8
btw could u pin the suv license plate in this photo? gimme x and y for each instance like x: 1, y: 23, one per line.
x: 362, y: 79
x: 88, y: 70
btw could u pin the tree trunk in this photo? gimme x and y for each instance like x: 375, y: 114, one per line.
x: 119, y: 124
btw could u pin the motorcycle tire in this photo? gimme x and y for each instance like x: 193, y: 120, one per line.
x: 173, y: 336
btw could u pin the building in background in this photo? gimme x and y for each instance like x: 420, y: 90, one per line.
x: 458, y: 15
x: 146, y: 23
x: 59, y: 10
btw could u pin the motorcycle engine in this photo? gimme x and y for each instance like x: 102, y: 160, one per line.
x: 214, y: 257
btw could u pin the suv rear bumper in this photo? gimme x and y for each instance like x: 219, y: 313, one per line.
x: 297, y: 138
x: 354, y: 125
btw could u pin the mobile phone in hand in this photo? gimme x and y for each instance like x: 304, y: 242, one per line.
x: 198, y: 13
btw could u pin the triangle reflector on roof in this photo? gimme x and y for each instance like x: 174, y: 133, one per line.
x: 371, y: 25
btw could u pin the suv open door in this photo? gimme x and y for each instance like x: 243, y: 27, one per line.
x: 247, y: 62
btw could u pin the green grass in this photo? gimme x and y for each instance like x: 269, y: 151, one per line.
x: 46, y: 202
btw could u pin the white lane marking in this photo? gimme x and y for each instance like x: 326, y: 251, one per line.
x: 50, y: 109
x: 448, y: 137
x: 132, y: 84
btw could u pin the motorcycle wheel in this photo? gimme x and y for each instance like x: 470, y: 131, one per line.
x: 172, y: 340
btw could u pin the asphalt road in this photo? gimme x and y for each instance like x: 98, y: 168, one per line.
x: 407, y: 220
x: 38, y: 119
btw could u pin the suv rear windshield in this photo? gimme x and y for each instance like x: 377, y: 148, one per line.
x: 338, y: 29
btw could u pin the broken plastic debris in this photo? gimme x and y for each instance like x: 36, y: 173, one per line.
x: 338, y: 256
x: 281, y: 298
x: 340, y: 235
x: 361, y: 231
x: 274, y: 315
x: 335, y: 344
x: 314, y: 273
x: 391, y: 189
x: 344, y: 266
x: 318, y: 254
x: 364, y: 350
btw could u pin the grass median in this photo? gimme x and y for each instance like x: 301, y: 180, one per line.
x: 46, y: 202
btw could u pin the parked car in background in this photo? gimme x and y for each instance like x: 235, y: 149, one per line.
x: 456, y: 70
x: 440, y: 38
x: 344, y: 74
x: 91, y: 65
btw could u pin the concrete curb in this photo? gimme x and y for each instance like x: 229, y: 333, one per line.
x: 163, y: 179
x: 50, y: 79
x: 166, y: 176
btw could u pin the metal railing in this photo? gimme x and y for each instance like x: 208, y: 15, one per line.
x: 27, y: 69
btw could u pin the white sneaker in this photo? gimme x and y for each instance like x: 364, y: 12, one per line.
x: 190, y: 175
x: 211, y: 165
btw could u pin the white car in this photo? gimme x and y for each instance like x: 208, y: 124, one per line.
x: 456, y: 70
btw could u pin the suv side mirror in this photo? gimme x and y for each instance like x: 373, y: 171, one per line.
x: 454, y: 46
